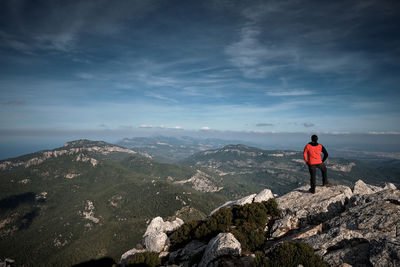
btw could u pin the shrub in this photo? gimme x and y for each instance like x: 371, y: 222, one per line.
x: 260, y: 260
x: 272, y: 207
x: 145, y: 259
x: 246, y: 222
x: 250, y: 236
x: 184, y: 233
x: 290, y: 254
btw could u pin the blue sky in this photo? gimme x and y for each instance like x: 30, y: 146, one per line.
x: 245, y: 66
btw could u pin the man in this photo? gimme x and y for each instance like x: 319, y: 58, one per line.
x: 312, y: 157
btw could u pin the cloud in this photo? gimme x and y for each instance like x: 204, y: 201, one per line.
x: 58, y: 26
x: 85, y: 76
x: 145, y: 126
x: 161, y: 97
x: 295, y: 92
x: 248, y: 54
x: 15, y: 102
x: 383, y: 133
x: 205, y: 128
x: 175, y: 127
x: 308, y: 124
x: 264, y: 124
x: 148, y: 126
x: 103, y: 125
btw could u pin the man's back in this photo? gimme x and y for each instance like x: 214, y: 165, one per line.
x: 312, y: 153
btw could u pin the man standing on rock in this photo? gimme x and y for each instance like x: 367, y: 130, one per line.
x: 312, y: 157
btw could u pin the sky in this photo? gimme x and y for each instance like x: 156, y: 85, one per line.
x: 100, y: 66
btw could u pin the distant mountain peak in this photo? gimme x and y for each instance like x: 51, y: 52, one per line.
x: 77, y: 147
x: 237, y: 146
x: 85, y: 143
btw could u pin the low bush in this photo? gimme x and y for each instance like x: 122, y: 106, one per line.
x: 184, y: 233
x: 246, y: 222
x: 145, y: 259
x: 250, y: 236
x: 290, y: 254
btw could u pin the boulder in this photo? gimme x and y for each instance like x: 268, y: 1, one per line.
x: 127, y: 255
x: 301, y: 208
x: 158, y: 225
x: 389, y: 186
x: 189, y: 255
x: 367, y: 233
x: 245, y: 200
x: 172, y: 226
x: 155, y: 236
x: 155, y: 241
x: 224, y: 244
x: 263, y: 196
x: 361, y: 188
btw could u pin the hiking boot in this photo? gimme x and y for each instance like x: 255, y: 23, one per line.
x: 327, y: 185
x: 312, y: 191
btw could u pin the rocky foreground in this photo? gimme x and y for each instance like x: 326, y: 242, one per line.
x: 346, y: 227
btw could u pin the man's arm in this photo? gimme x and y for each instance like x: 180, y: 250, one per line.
x: 325, y: 154
x: 305, y: 154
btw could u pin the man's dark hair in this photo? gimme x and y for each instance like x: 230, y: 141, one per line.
x: 314, y: 138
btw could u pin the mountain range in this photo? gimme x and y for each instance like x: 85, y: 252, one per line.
x: 90, y: 199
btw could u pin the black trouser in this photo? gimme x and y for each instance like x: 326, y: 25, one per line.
x: 313, y: 171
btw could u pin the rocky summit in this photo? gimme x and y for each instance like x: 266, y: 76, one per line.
x: 345, y: 226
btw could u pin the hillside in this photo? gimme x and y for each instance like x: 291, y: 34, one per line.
x: 243, y: 168
x: 86, y: 200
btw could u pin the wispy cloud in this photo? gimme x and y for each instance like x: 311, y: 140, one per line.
x: 205, y: 128
x: 146, y: 126
x: 161, y: 97
x: 384, y: 133
x: 295, y: 92
x: 264, y: 124
x: 15, y: 102
x: 253, y: 58
x: 308, y: 124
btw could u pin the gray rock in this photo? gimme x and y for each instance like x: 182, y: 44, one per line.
x: 221, y: 245
x: 301, y: 208
x: 361, y: 188
x: 367, y: 233
x: 239, y: 202
x: 156, y: 225
x: 127, y: 255
x: 245, y: 200
x: 155, y: 241
x: 189, y: 255
x: 155, y: 236
x: 172, y: 226
x: 263, y: 196
x: 389, y: 186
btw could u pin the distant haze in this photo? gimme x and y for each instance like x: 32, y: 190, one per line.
x: 23, y: 142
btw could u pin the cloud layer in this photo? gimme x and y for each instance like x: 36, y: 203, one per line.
x: 286, y: 66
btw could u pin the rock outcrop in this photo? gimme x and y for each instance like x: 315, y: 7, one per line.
x: 300, y: 208
x: 155, y: 236
x: 221, y: 245
x: 346, y: 227
x: 367, y: 233
x: 264, y: 195
x: 127, y: 255
x: 189, y: 255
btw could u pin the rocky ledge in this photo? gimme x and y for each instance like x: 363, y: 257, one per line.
x: 346, y: 227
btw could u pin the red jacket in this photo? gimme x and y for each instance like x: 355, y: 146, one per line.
x: 312, y: 153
